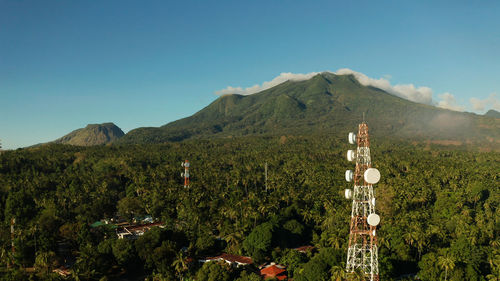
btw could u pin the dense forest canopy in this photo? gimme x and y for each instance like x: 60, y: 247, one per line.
x: 439, y: 209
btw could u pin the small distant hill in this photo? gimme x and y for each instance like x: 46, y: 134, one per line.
x: 492, y: 113
x: 93, y: 134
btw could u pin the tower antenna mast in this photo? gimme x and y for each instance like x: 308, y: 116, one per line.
x: 362, y: 253
x: 266, y: 175
x: 185, y: 175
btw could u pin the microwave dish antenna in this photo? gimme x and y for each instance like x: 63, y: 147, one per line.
x: 349, y: 175
x: 348, y: 194
x: 371, y: 175
x: 373, y: 219
x: 351, y: 155
x: 352, y: 138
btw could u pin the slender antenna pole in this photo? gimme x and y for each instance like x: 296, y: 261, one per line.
x: 12, y: 223
x: 185, y: 175
x: 266, y: 176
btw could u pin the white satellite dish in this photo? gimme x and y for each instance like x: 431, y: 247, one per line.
x: 352, y: 138
x: 372, y: 175
x: 182, y: 174
x: 351, y: 155
x: 373, y: 201
x: 182, y: 164
x: 374, y: 233
x: 348, y: 175
x: 348, y: 194
x: 186, y: 165
x: 373, y: 219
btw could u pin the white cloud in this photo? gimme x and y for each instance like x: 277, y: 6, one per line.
x: 230, y: 90
x: 448, y: 101
x: 406, y: 91
x: 409, y: 92
x: 491, y: 102
x: 283, y: 77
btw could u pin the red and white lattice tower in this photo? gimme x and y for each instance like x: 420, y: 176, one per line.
x: 362, y: 254
x: 185, y: 175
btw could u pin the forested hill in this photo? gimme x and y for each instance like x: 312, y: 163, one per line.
x: 493, y: 113
x: 92, y: 134
x: 326, y: 103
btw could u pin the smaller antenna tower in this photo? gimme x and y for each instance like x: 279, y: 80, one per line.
x: 266, y: 175
x: 185, y: 175
x: 12, y: 234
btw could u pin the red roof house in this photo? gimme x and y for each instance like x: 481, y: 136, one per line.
x: 304, y: 249
x: 274, y: 271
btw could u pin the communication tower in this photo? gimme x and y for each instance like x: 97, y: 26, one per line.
x: 266, y: 175
x: 185, y: 175
x: 362, y: 253
x: 12, y: 236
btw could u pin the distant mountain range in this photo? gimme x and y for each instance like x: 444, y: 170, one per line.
x: 325, y: 104
x: 93, y: 134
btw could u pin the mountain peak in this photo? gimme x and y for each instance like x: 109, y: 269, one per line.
x: 492, y: 113
x: 92, y: 134
x: 326, y: 103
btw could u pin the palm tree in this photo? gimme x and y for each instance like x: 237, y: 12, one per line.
x: 44, y: 261
x: 446, y: 262
x: 180, y: 264
x: 233, y: 240
x: 338, y: 273
x: 335, y: 241
x: 494, y: 261
x: 410, y: 237
x: 492, y: 277
x: 421, y: 243
x: 356, y: 275
x: 6, y: 257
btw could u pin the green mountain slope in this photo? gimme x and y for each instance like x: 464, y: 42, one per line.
x: 492, y: 113
x: 93, y: 134
x: 324, y: 104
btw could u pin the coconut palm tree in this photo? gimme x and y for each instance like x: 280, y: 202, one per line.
x: 494, y: 261
x: 338, y: 273
x: 356, y: 275
x: 180, y: 264
x: 6, y: 257
x: 446, y: 262
x: 44, y: 261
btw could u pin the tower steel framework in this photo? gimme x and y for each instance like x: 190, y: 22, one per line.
x: 185, y: 175
x: 362, y: 253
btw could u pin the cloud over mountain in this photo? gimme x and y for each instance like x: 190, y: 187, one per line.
x: 283, y: 77
x: 448, y: 101
x: 481, y: 105
x: 409, y: 92
x: 406, y: 91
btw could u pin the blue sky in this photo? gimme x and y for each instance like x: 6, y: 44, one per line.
x: 65, y: 64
